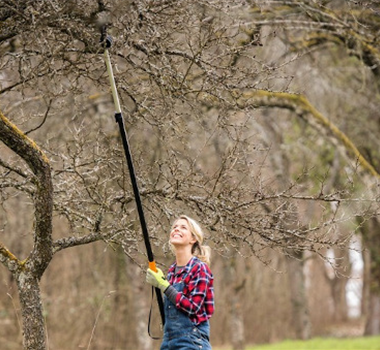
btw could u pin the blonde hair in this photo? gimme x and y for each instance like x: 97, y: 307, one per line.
x: 202, y: 252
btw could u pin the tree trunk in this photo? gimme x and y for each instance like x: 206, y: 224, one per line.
x: 295, y: 263
x: 236, y: 311
x: 371, y: 239
x: 338, y: 285
x: 372, y: 326
x: 31, y: 310
x: 300, y: 311
x: 237, y: 323
x: 365, y: 302
x: 140, y: 307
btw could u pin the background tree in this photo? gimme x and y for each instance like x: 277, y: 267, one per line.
x: 344, y: 32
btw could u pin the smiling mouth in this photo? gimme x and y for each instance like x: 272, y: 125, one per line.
x: 177, y: 235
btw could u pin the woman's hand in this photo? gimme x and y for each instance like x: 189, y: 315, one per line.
x: 157, y: 279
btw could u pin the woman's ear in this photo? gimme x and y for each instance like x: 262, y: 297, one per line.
x: 194, y: 242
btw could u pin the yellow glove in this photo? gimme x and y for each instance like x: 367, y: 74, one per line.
x: 157, y: 279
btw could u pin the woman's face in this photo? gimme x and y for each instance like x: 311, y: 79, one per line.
x: 180, y: 234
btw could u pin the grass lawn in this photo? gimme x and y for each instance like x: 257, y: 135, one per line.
x: 361, y: 343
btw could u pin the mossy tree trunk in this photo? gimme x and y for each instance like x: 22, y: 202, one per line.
x: 28, y: 272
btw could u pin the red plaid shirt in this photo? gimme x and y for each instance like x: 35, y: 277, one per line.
x: 197, y: 298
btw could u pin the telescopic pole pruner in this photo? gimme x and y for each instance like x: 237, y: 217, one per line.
x: 119, y: 119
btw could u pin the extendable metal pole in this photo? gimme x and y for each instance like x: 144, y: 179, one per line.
x: 120, y: 120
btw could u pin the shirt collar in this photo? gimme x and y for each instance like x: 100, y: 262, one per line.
x: 186, y: 268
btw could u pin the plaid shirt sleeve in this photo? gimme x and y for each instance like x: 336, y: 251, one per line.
x: 197, y: 298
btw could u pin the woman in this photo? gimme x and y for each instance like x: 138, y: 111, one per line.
x: 188, y: 289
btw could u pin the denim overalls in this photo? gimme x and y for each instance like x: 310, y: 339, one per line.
x: 179, y: 332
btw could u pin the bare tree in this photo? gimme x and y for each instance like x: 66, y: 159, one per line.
x: 29, y: 271
x: 343, y: 31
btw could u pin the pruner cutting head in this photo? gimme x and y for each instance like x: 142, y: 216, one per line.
x: 106, y: 41
x: 102, y: 23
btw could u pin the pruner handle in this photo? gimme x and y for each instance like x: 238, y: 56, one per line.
x: 152, y: 266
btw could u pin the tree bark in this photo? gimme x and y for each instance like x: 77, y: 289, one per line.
x: 300, y: 311
x: 338, y: 286
x: 372, y: 326
x: 29, y: 272
x: 31, y: 310
x: 371, y: 239
x: 236, y: 284
x: 365, y: 301
x: 237, y: 323
x: 140, y: 307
